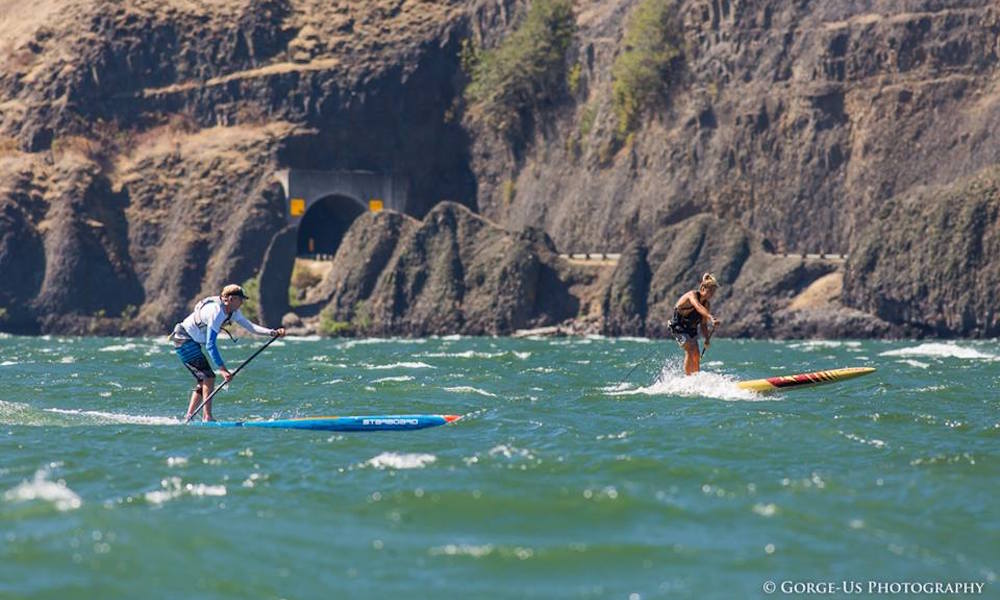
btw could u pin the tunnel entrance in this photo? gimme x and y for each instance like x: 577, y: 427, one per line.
x: 324, y: 225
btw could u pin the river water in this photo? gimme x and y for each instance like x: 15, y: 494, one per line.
x: 560, y: 481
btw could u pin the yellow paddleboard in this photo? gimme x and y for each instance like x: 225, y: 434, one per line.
x: 785, y: 382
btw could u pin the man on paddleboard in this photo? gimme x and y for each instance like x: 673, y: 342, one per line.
x: 690, y: 313
x: 202, y: 326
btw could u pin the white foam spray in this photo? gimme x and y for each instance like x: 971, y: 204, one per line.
x: 673, y: 382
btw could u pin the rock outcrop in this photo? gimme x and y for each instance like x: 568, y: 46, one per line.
x: 929, y: 260
x: 139, y: 143
x: 453, y: 272
x: 796, y: 120
x: 762, y: 294
x: 367, y: 248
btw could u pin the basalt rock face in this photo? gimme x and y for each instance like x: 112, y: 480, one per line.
x: 757, y: 293
x: 178, y: 116
x: 365, y: 251
x: 625, y: 304
x: 64, y: 249
x: 453, y: 272
x: 796, y: 120
x: 22, y: 263
x: 139, y: 143
x: 127, y: 248
x: 929, y: 260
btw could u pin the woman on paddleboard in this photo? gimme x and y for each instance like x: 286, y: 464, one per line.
x: 202, y: 326
x: 690, y: 313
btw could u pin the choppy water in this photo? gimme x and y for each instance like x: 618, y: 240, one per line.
x: 559, y: 482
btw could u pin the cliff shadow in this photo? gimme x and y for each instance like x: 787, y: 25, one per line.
x: 400, y: 123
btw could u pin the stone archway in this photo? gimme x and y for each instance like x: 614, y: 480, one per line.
x: 321, y: 206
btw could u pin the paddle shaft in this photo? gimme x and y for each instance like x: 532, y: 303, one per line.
x: 188, y: 418
x: 711, y: 332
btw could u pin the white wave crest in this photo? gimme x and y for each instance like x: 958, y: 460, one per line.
x: 939, y: 350
x: 365, y: 341
x: 464, y: 354
x: 173, y: 488
x: 392, y: 460
x: 824, y: 344
x: 462, y: 550
x: 120, y: 347
x: 397, y: 378
x: 467, y: 389
x: 511, y: 452
x: 108, y: 417
x: 41, y: 488
x: 402, y: 365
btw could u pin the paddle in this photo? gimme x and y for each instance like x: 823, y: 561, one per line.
x: 708, y: 338
x: 188, y: 418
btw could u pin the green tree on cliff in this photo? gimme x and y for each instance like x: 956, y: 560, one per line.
x: 642, y: 71
x: 525, y: 70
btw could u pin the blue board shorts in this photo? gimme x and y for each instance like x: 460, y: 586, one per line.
x: 194, y: 359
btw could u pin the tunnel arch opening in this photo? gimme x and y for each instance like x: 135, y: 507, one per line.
x: 325, y: 224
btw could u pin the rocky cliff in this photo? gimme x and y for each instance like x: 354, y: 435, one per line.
x: 929, y: 259
x: 451, y: 272
x: 140, y: 141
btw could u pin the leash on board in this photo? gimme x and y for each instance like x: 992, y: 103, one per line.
x: 188, y: 418
x: 641, y: 362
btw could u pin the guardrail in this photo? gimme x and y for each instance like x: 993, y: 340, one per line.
x: 596, y: 256
x: 327, y: 257
x: 816, y: 256
x: 615, y: 256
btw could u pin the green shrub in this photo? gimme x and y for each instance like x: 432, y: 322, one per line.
x: 641, y: 73
x: 573, y: 146
x: 509, y: 191
x: 331, y: 327
x: 303, y: 278
x: 250, y: 306
x: 362, y: 317
x: 130, y: 312
x: 587, y: 120
x: 573, y: 79
x: 526, y: 69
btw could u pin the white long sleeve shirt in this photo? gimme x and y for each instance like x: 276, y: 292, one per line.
x: 203, y: 325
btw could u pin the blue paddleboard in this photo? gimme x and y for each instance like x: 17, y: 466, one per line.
x: 362, y: 423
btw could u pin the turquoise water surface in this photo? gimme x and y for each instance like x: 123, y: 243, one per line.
x: 560, y: 480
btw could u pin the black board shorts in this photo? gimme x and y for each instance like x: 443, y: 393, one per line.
x: 684, y: 338
x: 194, y: 359
x: 683, y: 332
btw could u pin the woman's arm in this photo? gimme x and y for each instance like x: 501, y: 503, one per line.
x: 698, y: 306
